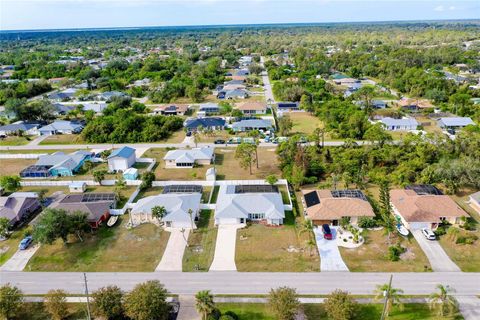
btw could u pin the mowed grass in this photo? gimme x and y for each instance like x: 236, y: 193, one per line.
x: 265, y: 249
x: 9, y: 246
x: 372, y: 255
x: 228, y: 168
x: 304, y: 123
x: 14, y: 141
x: 199, y: 254
x: 162, y: 173
x: 14, y: 166
x: 115, y: 249
x: 63, y: 139
x: 36, y: 311
x: 261, y: 311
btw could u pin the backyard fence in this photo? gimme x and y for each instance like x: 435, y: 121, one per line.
x: 21, y: 155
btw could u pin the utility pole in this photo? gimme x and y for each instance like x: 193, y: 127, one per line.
x: 86, y: 293
x: 386, y: 294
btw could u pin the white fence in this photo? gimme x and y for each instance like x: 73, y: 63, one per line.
x: 21, y: 155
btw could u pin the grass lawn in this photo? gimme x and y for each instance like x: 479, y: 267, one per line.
x: 175, y: 137
x: 63, y: 139
x: 228, y: 167
x: 14, y: 166
x: 9, y: 247
x: 466, y: 256
x: 248, y: 311
x: 265, y: 249
x: 148, y: 192
x: 110, y: 249
x: 36, y: 311
x: 201, y: 244
x: 372, y: 256
x: 14, y: 141
x: 161, y: 173
x: 23, y: 151
x: 304, y: 123
x: 216, y: 189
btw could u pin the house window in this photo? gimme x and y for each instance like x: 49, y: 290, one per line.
x: 256, y: 216
x: 443, y: 218
x: 184, y: 164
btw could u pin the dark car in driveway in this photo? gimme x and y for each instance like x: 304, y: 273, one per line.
x: 327, y: 232
x: 219, y: 141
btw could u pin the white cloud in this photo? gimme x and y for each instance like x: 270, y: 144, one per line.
x: 439, y: 8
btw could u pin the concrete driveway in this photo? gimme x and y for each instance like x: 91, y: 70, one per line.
x: 439, y: 260
x: 330, y: 258
x: 19, y: 259
x: 173, y: 255
x: 224, y: 259
x: 469, y: 307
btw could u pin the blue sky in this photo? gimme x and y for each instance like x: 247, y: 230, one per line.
x: 49, y: 14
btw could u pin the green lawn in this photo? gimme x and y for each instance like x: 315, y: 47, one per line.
x: 304, y: 123
x: 14, y: 166
x: 36, y: 311
x: 257, y: 311
x: 63, y: 139
x: 15, y: 141
x: 9, y: 246
x: 216, y: 189
x: 264, y: 249
x: 201, y: 244
x: 114, y: 249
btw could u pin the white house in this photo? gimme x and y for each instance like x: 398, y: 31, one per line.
x: 406, y: 124
x: 187, y: 158
x: 454, y: 122
x: 121, y: 159
x: 241, y: 203
x: 61, y: 127
x: 25, y: 127
x: 178, y: 207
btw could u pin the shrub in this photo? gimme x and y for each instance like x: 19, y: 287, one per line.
x: 367, y: 222
x: 340, y: 306
x: 395, y: 251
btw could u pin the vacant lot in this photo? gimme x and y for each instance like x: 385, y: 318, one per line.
x: 304, y: 123
x: 228, y: 168
x: 63, y: 139
x: 260, y: 311
x: 198, y: 255
x: 110, y: 249
x: 372, y: 256
x: 14, y: 166
x: 275, y: 249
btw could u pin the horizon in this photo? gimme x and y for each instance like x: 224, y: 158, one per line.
x: 42, y: 15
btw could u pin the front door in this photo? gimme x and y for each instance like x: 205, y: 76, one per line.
x: 334, y: 223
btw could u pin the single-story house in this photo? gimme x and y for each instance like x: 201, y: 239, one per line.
x: 455, y: 122
x: 241, y: 203
x: 188, y: 158
x: 61, y: 127
x: 330, y: 206
x: 474, y: 201
x: 66, y: 94
x: 108, y: 95
x: 28, y: 128
x: 182, y: 209
x: 379, y: 104
x: 121, y: 159
x: 288, y: 106
x: 18, y: 205
x: 210, y: 123
x: 241, y: 72
x: 96, y: 205
x: 172, y: 109
x: 252, y: 124
x: 62, y: 109
x: 406, y: 124
x: 236, y: 94
x: 252, y: 107
x: 236, y: 80
x: 77, y: 187
x: 95, y: 106
x: 418, y: 210
x: 57, y: 164
x: 130, y: 174
x: 208, y: 108
x: 233, y: 86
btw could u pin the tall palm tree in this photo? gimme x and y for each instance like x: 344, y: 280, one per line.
x: 444, y: 303
x: 311, y: 245
x: 204, y: 303
x: 391, y: 294
x: 307, y: 227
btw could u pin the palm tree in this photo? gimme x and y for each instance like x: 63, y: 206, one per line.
x: 307, y: 226
x: 444, y: 303
x: 190, y: 213
x: 120, y: 184
x: 311, y: 245
x: 204, y: 303
x: 392, y: 295
x: 159, y: 212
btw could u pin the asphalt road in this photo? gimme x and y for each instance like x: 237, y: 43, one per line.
x: 231, y: 282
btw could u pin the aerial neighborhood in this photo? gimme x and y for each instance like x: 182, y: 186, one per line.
x: 281, y: 149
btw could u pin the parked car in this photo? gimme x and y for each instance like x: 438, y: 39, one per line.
x: 429, y: 234
x: 25, y: 243
x: 219, y: 141
x: 327, y: 232
x: 189, y: 133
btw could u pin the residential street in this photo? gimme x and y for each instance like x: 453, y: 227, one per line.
x: 439, y: 260
x: 227, y: 282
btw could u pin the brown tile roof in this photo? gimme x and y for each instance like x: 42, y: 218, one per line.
x: 251, y: 105
x: 424, y: 208
x: 242, y: 78
x: 180, y: 107
x: 331, y: 208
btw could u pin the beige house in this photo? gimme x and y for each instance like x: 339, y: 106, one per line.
x: 252, y: 107
x: 328, y: 207
x: 171, y: 109
x: 419, y: 211
x: 188, y: 158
